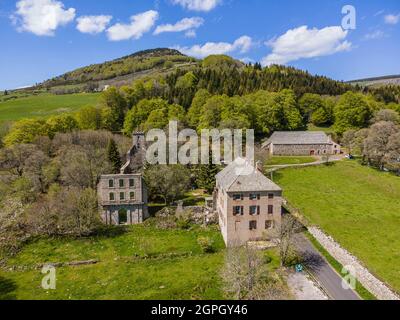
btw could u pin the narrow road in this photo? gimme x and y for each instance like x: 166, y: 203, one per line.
x: 326, y: 276
x: 318, y: 162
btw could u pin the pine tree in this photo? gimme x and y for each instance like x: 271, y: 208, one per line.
x: 206, y: 176
x: 113, y: 156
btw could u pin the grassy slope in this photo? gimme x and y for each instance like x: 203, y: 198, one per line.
x: 44, y: 105
x: 358, y: 206
x: 144, y: 263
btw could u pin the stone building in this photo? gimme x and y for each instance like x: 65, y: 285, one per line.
x: 249, y: 205
x: 301, y: 143
x: 123, y: 196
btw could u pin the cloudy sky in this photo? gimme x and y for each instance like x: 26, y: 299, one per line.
x: 44, y: 38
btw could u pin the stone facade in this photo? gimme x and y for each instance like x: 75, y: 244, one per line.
x: 301, y: 143
x: 248, y: 226
x: 248, y: 207
x: 123, y: 197
x: 303, y: 149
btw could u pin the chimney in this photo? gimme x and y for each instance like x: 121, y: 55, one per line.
x: 259, y: 166
x: 138, y: 138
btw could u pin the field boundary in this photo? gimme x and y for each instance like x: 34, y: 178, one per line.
x: 377, y: 287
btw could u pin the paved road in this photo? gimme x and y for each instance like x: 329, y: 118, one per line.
x: 327, y: 277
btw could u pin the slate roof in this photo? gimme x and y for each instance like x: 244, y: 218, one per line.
x: 298, y: 137
x: 241, y: 176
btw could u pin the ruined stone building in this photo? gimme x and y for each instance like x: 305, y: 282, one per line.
x: 248, y: 204
x: 301, y: 143
x: 123, y: 196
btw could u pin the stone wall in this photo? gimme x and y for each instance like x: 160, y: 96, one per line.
x: 301, y: 149
x: 378, y: 288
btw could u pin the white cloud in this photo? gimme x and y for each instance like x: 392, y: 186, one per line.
x: 140, y: 24
x: 392, y: 19
x: 190, y: 34
x: 93, y: 24
x: 378, y: 34
x: 378, y: 13
x: 41, y: 17
x: 242, y: 44
x: 198, y: 5
x: 302, y: 43
x: 182, y: 25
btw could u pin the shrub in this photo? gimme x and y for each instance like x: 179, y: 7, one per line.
x: 207, y: 244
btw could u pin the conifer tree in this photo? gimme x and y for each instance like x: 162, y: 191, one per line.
x: 113, y: 156
x: 206, y: 176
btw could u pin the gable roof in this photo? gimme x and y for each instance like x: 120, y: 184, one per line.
x: 241, y: 176
x: 298, y: 137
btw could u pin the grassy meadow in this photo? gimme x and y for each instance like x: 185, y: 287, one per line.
x: 358, y: 206
x: 44, y: 105
x: 142, y: 263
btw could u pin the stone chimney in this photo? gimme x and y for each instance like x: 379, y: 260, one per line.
x: 259, y: 166
x: 138, y: 139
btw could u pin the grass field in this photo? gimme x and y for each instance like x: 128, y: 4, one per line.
x: 143, y: 263
x: 44, y: 105
x: 276, y: 160
x: 357, y: 205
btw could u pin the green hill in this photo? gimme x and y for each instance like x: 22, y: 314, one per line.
x: 121, y: 71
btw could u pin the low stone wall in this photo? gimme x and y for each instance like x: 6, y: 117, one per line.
x: 369, y: 281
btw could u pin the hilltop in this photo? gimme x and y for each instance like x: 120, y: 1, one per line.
x: 120, y: 71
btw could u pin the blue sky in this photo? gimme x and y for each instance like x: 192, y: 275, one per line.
x: 44, y: 38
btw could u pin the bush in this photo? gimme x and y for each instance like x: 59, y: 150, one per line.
x: 185, y: 220
x: 207, y: 245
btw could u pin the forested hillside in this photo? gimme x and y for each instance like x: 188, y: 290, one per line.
x: 148, y: 60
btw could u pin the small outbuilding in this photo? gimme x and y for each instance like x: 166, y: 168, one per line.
x: 301, y: 143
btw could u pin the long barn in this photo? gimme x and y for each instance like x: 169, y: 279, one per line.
x: 301, y: 143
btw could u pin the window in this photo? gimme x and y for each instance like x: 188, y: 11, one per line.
x: 111, y: 183
x: 112, y: 196
x: 254, y: 210
x: 269, y: 224
x: 255, y: 196
x: 237, y: 210
x: 270, y: 209
x: 270, y: 195
x: 121, y: 183
x: 131, y: 183
x: 122, y: 196
x: 253, y: 225
x: 237, y: 197
x: 132, y: 195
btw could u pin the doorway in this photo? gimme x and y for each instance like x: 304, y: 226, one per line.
x: 122, y: 216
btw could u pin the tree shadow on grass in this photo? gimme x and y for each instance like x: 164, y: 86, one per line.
x: 7, y: 288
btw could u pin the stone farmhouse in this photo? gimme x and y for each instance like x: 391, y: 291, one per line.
x: 123, y: 196
x: 301, y: 143
x: 248, y: 204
